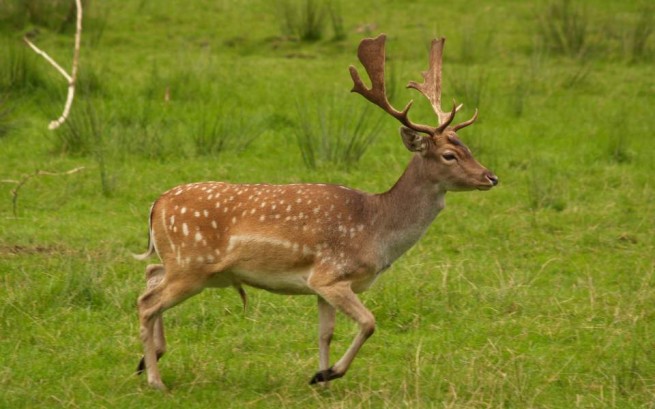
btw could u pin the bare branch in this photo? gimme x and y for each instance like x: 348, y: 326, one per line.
x: 20, y: 183
x: 48, y: 59
x: 72, y: 78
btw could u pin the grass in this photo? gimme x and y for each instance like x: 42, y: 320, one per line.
x: 332, y: 132
x: 538, y: 293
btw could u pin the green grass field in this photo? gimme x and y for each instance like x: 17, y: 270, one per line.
x: 539, y: 293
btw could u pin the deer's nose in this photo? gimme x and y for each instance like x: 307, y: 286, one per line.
x: 492, y: 178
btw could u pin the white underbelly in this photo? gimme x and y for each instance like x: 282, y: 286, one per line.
x: 278, y: 282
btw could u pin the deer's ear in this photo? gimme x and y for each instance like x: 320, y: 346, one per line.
x: 413, y: 140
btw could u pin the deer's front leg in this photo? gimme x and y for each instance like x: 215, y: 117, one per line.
x: 340, y: 296
x: 326, y: 317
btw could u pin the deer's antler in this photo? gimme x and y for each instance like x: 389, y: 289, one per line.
x: 371, y: 54
x: 431, y: 88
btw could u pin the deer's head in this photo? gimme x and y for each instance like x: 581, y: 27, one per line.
x: 445, y: 160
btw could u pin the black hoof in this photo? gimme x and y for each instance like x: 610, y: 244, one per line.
x: 142, y: 363
x: 324, y: 376
x: 142, y: 366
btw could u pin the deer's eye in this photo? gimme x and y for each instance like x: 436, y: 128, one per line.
x: 449, y: 156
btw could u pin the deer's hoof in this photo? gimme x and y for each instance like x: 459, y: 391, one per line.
x: 142, y: 366
x: 324, y: 376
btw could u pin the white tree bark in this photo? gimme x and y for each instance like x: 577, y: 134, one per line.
x: 73, y: 75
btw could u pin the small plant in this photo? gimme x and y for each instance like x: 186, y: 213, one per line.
x: 564, y: 28
x: 335, y: 132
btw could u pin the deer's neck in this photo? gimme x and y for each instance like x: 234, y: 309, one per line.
x: 407, y: 210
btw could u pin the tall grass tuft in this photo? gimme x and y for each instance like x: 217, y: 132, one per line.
x: 302, y: 19
x: 545, y: 190
x: 19, y: 69
x: 564, y: 28
x: 469, y: 86
x: 221, y: 132
x: 82, y: 134
x: 335, y: 132
x: 6, y: 118
x: 618, y: 147
x: 636, y: 46
x: 56, y: 15
x: 306, y: 20
x: 336, y: 19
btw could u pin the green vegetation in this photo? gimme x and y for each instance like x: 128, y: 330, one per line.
x: 539, y: 293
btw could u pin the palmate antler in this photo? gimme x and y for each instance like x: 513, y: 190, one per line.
x: 372, y: 56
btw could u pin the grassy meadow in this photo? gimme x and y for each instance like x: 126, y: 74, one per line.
x: 539, y: 293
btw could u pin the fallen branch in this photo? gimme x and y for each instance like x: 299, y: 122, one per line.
x: 20, y: 183
x: 72, y: 78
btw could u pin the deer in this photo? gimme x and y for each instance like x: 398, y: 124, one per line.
x: 326, y: 240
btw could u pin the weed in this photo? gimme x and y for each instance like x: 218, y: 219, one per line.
x: 564, y: 28
x: 335, y: 132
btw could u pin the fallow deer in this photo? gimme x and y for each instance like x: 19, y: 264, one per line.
x: 327, y: 240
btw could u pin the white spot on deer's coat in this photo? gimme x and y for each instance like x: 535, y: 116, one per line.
x: 198, y: 236
x: 172, y: 220
x: 185, y: 229
x: 197, y: 214
x: 205, y: 213
x: 262, y: 218
x: 214, y: 224
x: 183, y: 210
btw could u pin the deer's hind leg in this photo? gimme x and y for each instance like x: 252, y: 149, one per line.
x: 173, y: 288
x: 154, y: 275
